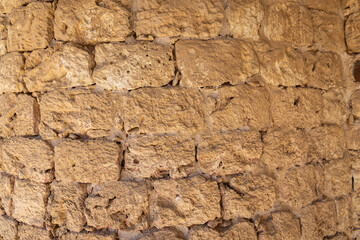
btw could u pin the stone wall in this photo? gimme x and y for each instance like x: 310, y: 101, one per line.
x: 180, y: 119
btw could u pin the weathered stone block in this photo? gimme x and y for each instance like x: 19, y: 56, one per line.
x: 91, y: 22
x: 8, y: 228
x: 248, y: 195
x: 87, y: 236
x: 63, y: 66
x: 67, y: 204
x: 19, y: 115
x: 229, y: 153
x: 352, y: 33
x: 335, y: 109
x: 338, y: 180
x: 31, y: 27
x: 118, y: 205
x: 184, y: 202
x: 350, y: 6
x: 185, y: 18
x: 163, y: 110
x: 214, y: 62
x: 26, y: 232
x: 92, y: 161
x: 29, y: 201
x: 156, y: 156
x: 353, y: 137
x: 11, y: 71
x: 330, y: 6
x: 238, y: 107
x: 28, y: 158
x: 6, y: 191
x: 164, y: 234
x: 131, y: 66
x: 355, y: 104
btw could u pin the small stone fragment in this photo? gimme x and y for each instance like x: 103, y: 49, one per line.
x: 8, y: 228
x: 352, y: 32
x: 11, y: 71
x: 27, y: 232
x: 92, y: 161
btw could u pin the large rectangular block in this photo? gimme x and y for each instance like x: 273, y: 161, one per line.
x: 92, y: 161
x: 156, y: 156
x: 184, y: 202
x: 95, y: 21
x: 11, y: 72
x: 131, y: 66
x: 28, y: 158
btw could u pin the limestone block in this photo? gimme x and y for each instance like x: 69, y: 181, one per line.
x: 6, y: 191
x: 118, y: 205
x: 91, y: 22
x: 280, y: 225
x: 31, y: 27
x: 7, y: 6
x: 335, y: 109
x: 156, y: 156
x: 164, y: 234
x: 185, y: 18
x: 184, y: 202
x: 300, y: 186
x: 289, y: 22
x: 241, y: 106
x: 330, y: 6
x: 203, y: 232
x: 163, y: 110
x: 11, y: 72
x: 338, y: 180
x: 67, y: 204
x: 356, y: 209
x: 355, y: 104
x: 344, y: 211
x: 87, y: 236
x: 76, y: 111
x: 131, y: 66
x: 92, y: 161
x: 350, y: 6
x: 245, y: 18
x: 19, y: 115
x: 63, y: 66
x: 8, y: 228
x: 352, y: 33
x: 229, y: 153
x: 26, y: 232
x: 249, y: 195
x: 214, y: 62
x: 353, y: 137
x: 29, y: 201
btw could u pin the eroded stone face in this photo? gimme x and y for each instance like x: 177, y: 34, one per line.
x: 184, y: 202
x: 131, y: 66
x: 118, y: 205
x: 31, y: 27
x: 91, y: 22
x: 352, y: 32
x: 163, y: 234
x: 185, y: 18
x: 355, y: 104
x: 338, y: 179
x: 92, y: 161
x: 330, y: 6
x: 26, y: 232
x: 87, y: 236
x: 6, y: 191
x: 214, y: 62
x: 8, y: 228
x: 11, y: 71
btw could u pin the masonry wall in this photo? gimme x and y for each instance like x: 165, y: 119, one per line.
x: 186, y: 119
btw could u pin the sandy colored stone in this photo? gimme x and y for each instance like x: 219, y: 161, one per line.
x: 214, y: 62
x: 289, y: 22
x: 335, y: 109
x: 241, y: 106
x: 63, y: 66
x: 31, y: 27
x: 28, y: 158
x: 229, y: 153
x: 131, y: 66
x: 352, y: 32
x: 355, y: 104
x: 8, y: 228
x: 353, y: 137
x: 118, y: 205
x: 330, y: 6
x: 185, y: 18
x: 248, y: 195
x: 76, y: 111
x: 245, y: 18
x: 11, y: 71
x: 285, y: 148
x: 6, y: 191
x: 203, y: 232
x: 356, y: 209
x: 184, y: 202
x: 156, y: 156
x: 350, y: 6
x: 29, y: 201
x: 91, y: 161
x: 87, y: 236
x: 339, y: 236
x: 300, y: 186
x: 164, y: 234
x: 19, y: 115
x: 27, y: 232
x: 67, y: 204
x: 338, y: 180
x: 279, y: 226
x: 90, y: 21
x: 344, y: 211
x: 163, y: 110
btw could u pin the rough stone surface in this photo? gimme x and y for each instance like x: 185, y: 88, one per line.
x: 26, y: 232
x: 353, y: 137
x: 87, y: 236
x: 118, y: 205
x: 338, y: 178
x: 157, y: 156
x: 355, y: 104
x: 11, y: 71
x: 229, y: 153
x: 8, y: 228
x: 29, y: 201
x: 31, y: 27
x: 330, y: 6
x: 91, y: 22
x: 184, y: 202
x: 131, y: 66
x: 66, y: 205
x: 185, y: 18
x: 92, y: 161
x: 350, y: 6
x: 164, y: 234
x: 352, y: 32
x: 6, y: 191
x: 63, y: 66
x: 215, y: 62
